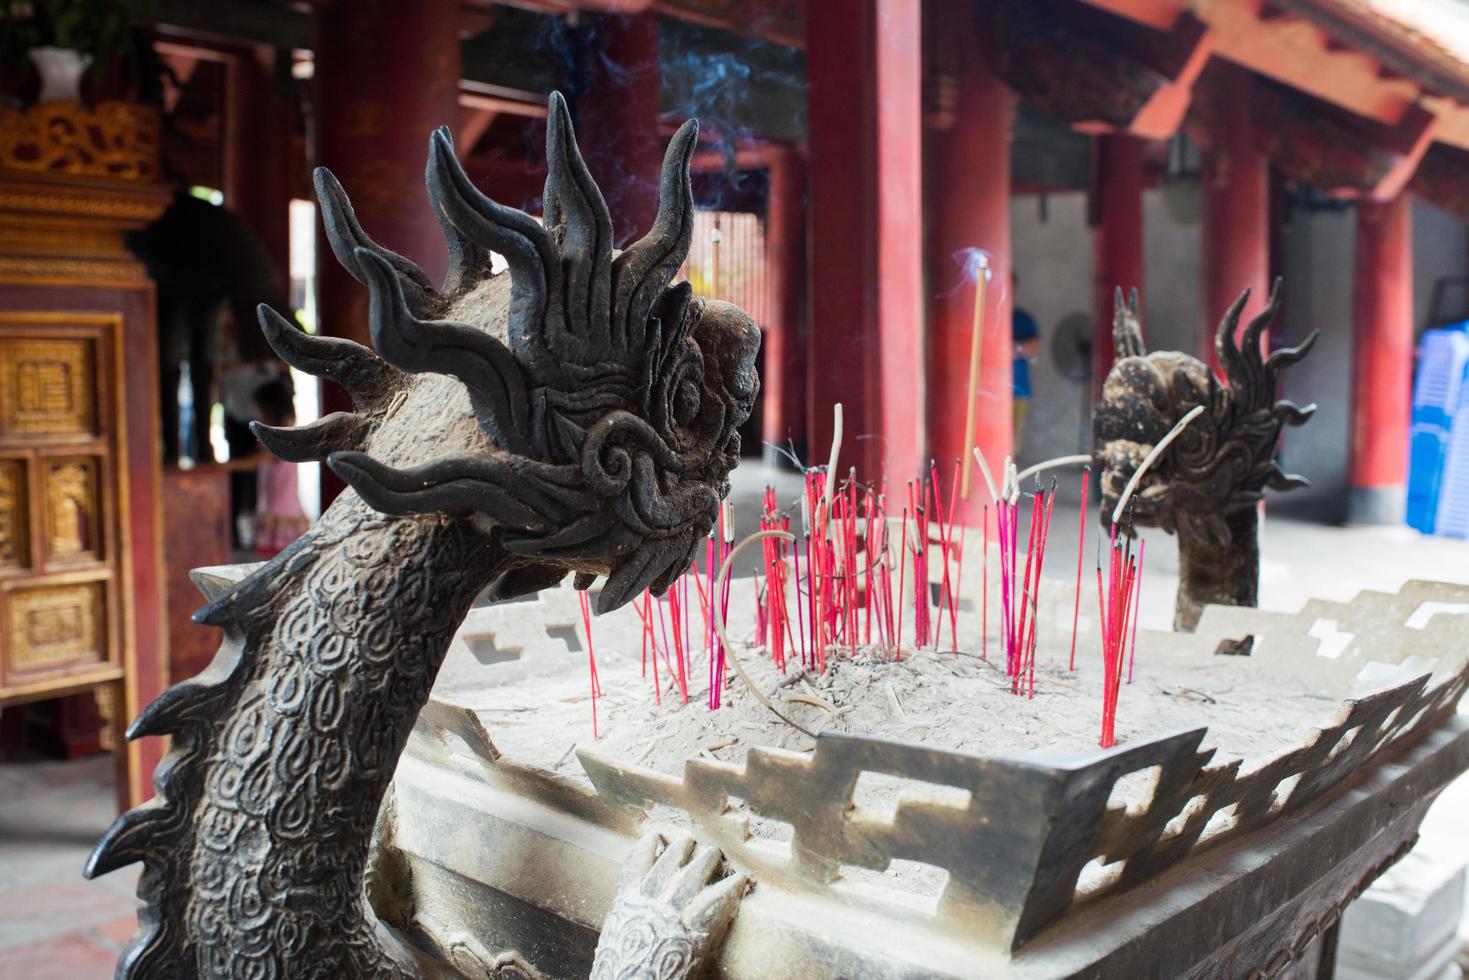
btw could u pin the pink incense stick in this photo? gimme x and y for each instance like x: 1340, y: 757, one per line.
x: 902, y: 573
x: 1086, y: 473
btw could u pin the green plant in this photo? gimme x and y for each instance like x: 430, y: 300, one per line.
x: 94, y: 27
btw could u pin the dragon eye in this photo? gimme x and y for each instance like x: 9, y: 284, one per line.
x: 686, y: 403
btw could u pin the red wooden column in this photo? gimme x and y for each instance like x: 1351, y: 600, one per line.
x: 1117, y: 243
x: 784, y: 375
x: 259, y: 158
x: 863, y: 62
x: 1382, y: 361
x: 386, y: 76
x: 969, y: 208
x: 1236, y: 242
x: 617, y: 118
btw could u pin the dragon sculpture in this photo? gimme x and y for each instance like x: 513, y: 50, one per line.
x: 1206, y: 484
x: 577, y: 415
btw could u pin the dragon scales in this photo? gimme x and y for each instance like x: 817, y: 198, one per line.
x: 575, y: 416
x: 1207, y: 483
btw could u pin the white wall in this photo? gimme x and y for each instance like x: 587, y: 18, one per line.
x: 1440, y: 247
x: 1052, y: 250
x: 1052, y: 254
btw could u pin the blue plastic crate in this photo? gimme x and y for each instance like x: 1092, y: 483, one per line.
x: 1438, y: 463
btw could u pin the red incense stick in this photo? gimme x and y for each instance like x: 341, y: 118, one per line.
x: 586, y: 618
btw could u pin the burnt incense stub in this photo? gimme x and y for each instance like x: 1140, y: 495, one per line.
x: 575, y: 416
x: 1206, y: 484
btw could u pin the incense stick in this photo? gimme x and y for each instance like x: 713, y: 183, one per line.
x: 1150, y: 458
x: 1080, y: 459
x: 976, y: 353
x: 1080, y: 552
x: 984, y: 471
x: 719, y: 624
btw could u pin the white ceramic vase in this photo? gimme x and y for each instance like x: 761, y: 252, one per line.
x: 61, y: 73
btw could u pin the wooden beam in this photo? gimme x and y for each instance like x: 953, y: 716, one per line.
x: 1158, y: 14
x: 472, y: 125
x: 474, y: 99
x: 1442, y: 179
x: 1414, y: 134
x: 1192, y: 43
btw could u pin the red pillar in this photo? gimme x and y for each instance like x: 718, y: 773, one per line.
x: 969, y: 207
x: 259, y: 157
x: 1236, y: 211
x: 386, y: 76
x: 1117, y: 244
x: 863, y: 62
x: 1382, y: 361
x: 784, y: 376
x: 617, y: 118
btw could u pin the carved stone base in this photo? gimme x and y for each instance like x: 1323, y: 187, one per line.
x: 533, y: 876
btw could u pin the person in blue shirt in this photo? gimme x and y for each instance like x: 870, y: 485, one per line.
x: 1027, y: 344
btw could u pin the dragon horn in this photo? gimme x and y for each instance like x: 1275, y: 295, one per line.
x: 642, y: 272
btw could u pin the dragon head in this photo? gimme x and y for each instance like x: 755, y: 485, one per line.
x: 579, y: 407
x: 1221, y: 462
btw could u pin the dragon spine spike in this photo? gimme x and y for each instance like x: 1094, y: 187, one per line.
x: 487, y: 368
x: 370, y: 380
x: 314, y: 441
x: 130, y: 838
x: 1127, y: 337
x: 468, y: 260
x: 1287, y: 356
x: 1228, y: 323
x: 533, y: 261
x: 345, y: 236
x: 642, y: 272
x: 576, y: 214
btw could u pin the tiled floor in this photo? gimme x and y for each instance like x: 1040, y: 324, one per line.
x: 53, y: 924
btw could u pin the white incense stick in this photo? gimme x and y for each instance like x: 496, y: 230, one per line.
x: 984, y: 471
x: 1080, y: 459
x: 719, y: 626
x: 1150, y: 458
x: 836, y: 446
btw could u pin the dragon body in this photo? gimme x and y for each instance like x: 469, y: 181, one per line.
x: 574, y: 416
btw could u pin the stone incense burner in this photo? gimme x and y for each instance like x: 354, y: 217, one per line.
x: 1048, y: 869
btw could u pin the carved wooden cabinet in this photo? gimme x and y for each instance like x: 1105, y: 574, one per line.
x: 58, y: 500
x: 80, y: 543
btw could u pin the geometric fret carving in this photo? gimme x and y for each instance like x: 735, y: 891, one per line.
x: 1018, y: 848
x: 14, y: 524
x: 57, y: 625
x: 46, y: 387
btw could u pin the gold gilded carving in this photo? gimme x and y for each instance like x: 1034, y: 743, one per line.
x: 113, y: 139
x: 135, y: 209
x: 12, y: 513
x: 46, y: 387
x: 70, y: 270
x: 55, y: 625
x: 71, y: 502
x: 107, y: 707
